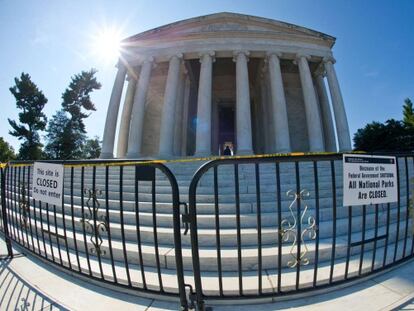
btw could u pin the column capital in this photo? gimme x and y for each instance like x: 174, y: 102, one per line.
x: 320, y: 72
x: 302, y: 55
x: 144, y: 60
x: 240, y: 52
x: 132, y: 74
x: 273, y: 53
x: 121, y: 65
x: 177, y: 55
x: 210, y: 54
x: 329, y: 59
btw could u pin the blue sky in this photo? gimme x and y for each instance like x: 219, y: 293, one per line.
x: 51, y: 40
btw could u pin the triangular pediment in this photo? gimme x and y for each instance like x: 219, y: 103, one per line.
x: 228, y: 24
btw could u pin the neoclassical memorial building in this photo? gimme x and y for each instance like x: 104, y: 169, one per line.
x: 254, y: 84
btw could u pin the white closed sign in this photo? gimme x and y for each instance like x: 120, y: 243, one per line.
x: 48, y: 182
x: 369, y: 179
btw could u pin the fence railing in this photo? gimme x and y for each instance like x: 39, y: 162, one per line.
x: 303, y: 237
x: 260, y: 227
x: 96, y: 232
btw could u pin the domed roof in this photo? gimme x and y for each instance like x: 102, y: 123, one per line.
x: 227, y: 24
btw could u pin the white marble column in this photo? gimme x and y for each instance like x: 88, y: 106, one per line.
x: 126, y: 116
x: 265, y: 114
x: 280, y: 123
x: 138, y: 110
x: 168, y: 110
x: 179, y: 111
x: 327, y: 122
x: 112, y: 114
x: 243, y: 112
x: 184, y: 128
x: 313, y: 120
x: 342, y: 129
x: 203, y: 132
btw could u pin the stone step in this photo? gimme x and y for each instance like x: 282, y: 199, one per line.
x: 230, y: 280
x: 208, y: 255
x: 206, y: 226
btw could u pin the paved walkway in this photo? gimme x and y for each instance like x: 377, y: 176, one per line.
x: 29, y: 284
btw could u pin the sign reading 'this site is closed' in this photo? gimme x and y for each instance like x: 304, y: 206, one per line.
x: 369, y: 179
x: 48, y: 182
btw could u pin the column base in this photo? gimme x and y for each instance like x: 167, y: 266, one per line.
x: 133, y: 155
x: 106, y: 155
x: 282, y: 151
x: 202, y: 154
x: 244, y: 152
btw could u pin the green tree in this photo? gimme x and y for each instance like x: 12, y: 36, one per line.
x: 6, y: 151
x: 408, y: 113
x: 66, y: 134
x: 31, y: 101
x: 60, y: 143
x: 393, y: 135
x: 92, y: 148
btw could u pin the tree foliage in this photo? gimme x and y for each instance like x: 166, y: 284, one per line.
x: 66, y: 134
x: 31, y: 101
x: 6, y: 151
x: 408, y: 113
x: 393, y: 135
x: 92, y: 148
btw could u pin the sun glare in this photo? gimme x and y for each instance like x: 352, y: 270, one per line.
x: 106, y: 44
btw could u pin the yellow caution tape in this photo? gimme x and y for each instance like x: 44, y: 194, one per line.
x: 182, y: 160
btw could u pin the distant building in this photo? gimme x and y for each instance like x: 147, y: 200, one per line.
x: 197, y: 85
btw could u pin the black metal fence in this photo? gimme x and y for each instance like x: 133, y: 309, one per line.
x: 96, y: 232
x: 259, y: 227
x: 292, y: 232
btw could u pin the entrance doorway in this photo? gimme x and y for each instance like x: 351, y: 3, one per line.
x: 226, y: 136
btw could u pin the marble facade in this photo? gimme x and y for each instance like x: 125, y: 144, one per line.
x: 192, y: 87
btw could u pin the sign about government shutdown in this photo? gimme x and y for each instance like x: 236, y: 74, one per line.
x: 48, y: 183
x: 369, y: 179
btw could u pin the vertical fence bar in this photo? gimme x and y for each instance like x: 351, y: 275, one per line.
x: 22, y: 206
x: 109, y: 223
x: 49, y: 232
x: 154, y: 222
x: 316, y: 259
x: 397, y: 236
x: 259, y: 227
x: 65, y: 237
x: 95, y: 215
x: 217, y: 224
x: 85, y: 243
x: 12, y: 200
x: 36, y: 227
x: 17, y: 224
x: 239, y: 252
x: 299, y: 225
x: 407, y: 205
x: 348, y: 249
x: 279, y: 230
x: 412, y: 214
x: 138, y: 229
x: 4, y: 212
x: 29, y: 208
x: 26, y: 207
x: 364, y: 221
x: 387, y: 232
x: 75, y: 242
x: 333, y: 251
x: 42, y: 230
x: 121, y: 208
x: 375, y: 238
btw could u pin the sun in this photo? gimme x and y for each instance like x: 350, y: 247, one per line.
x: 106, y: 44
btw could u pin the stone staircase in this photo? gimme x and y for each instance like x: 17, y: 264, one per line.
x: 137, y: 247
